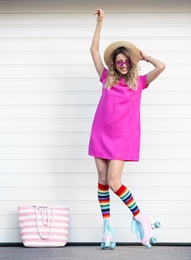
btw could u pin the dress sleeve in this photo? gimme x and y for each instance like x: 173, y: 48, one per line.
x: 143, y: 81
x: 104, y: 76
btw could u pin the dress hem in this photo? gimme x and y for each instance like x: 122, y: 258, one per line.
x: 109, y: 158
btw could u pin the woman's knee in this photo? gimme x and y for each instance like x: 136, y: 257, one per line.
x: 114, y: 184
x: 102, y: 169
x: 102, y: 178
x: 114, y: 174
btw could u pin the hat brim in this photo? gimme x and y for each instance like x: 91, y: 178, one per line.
x: 135, y: 52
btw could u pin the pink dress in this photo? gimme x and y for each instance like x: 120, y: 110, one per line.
x: 115, y: 133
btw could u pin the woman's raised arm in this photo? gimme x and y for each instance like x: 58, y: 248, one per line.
x: 159, y: 67
x: 96, y: 41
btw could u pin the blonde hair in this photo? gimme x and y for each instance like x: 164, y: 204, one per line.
x: 131, y: 78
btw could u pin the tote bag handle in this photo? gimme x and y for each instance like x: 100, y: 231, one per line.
x: 37, y: 209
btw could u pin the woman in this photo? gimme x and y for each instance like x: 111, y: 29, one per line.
x: 115, y: 135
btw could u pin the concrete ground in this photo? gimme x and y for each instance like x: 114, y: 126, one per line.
x: 95, y: 253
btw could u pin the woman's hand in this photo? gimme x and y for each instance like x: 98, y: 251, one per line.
x: 143, y: 56
x: 100, y: 15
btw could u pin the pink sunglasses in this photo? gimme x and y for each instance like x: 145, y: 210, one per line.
x: 120, y: 63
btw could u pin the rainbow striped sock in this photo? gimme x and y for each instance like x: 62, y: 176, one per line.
x: 126, y: 196
x: 104, y: 200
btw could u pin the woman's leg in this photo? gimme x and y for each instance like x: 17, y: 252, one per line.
x: 102, y: 169
x: 115, y: 170
x: 115, y: 184
x: 108, y: 237
x: 103, y: 188
x: 143, y: 222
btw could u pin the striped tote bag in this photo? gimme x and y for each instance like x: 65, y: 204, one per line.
x: 44, y: 226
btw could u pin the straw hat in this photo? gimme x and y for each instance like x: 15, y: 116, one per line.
x: 135, y: 52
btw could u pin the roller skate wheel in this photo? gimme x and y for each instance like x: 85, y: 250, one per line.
x: 157, y: 224
x: 153, y: 240
x: 148, y: 246
x: 113, y: 245
x: 105, y: 245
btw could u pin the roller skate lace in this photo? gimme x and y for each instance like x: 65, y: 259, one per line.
x: 137, y: 228
x: 108, y: 232
x: 108, y: 239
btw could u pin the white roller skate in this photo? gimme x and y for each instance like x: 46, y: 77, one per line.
x: 108, y: 238
x: 142, y: 226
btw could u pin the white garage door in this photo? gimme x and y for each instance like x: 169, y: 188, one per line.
x: 48, y: 94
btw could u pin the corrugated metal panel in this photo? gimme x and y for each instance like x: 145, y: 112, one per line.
x: 48, y: 94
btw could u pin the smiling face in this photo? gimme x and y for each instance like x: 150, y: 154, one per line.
x: 122, y: 64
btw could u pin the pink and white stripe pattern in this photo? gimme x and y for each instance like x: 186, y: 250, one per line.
x: 44, y: 226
